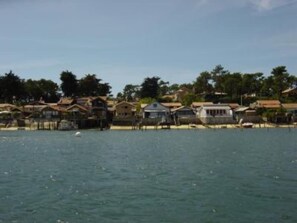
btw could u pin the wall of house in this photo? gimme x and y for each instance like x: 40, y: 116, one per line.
x: 216, y: 116
x: 124, y: 111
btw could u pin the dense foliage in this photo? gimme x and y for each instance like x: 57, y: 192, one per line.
x: 218, y: 85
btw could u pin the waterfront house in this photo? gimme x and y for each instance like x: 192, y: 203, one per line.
x: 124, y: 109
x: 75, y: 112
x: 216, y: 114
x: 184, y: 115
x: 32, y: 110
x: 49, y: 113
x: 291, y: 111
x: 155, y: 110
x: 246, y: 114
x: 97, y: 106
x: 6, y: 114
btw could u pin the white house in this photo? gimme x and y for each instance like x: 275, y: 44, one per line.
x: 216, y: 114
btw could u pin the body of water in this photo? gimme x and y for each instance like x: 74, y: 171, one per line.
x: 223, y: 175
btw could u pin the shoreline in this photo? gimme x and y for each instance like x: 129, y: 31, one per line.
x: 172, y: 127
x: 201, y: 127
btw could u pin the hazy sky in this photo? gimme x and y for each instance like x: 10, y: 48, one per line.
x: 124, y: 41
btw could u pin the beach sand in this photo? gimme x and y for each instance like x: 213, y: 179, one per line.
x: 173, y: 127
x: 224, y: 126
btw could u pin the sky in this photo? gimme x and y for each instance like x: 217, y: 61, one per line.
x: 125, y: 41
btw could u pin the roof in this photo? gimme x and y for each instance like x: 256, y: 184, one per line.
x: 172, y: 96
x: 143, y: 105
x: 241, y: 109
x: 181, y: 108
x: 85, y: 100
x: 172, y: 104
x: 199, y: 104
x: 290, y: 90
x: 216, y: 106
x: 111, y: 103
x: 290, y: 105
x: 124, y: 102
x: 49, y: 107
x: 268, y: 104
x: 155, y: 106
x: 77, y: 106
x: 7, y: 106
x: 65, y: 101
x: 35, y: 107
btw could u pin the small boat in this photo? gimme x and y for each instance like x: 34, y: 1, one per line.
x: 67, y: 125
x: 248, y: 125
x: 77, y: 134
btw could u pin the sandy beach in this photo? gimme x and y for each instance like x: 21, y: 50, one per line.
x: 172, y: 127
x: 193, y: 127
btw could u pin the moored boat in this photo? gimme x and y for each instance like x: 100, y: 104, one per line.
x: 247, y: 125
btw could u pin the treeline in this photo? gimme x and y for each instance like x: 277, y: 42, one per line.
x: 231, y: 86
x: 13, y: 89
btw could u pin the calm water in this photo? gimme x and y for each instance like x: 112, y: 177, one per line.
x: 151, y: 176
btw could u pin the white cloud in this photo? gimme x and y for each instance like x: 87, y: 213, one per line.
x: 211, y: 6
x: 263, y: 5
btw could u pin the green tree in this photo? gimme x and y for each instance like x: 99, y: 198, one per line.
x: 104, y: 89
x: 267, y: 87
x: 90, y: 85
x: 69, y: 85
x: 173, y: 88
x: 164, y: 87
x: 281, y: 80
x: 131, y: 92
x: 232, y: 85
x: 33, y: 90
x: 150, y: 88
x: 46, y: 90
x: 203, y: 83
x: 49, y: 90
x: 12, y: 88
x: 218, y: 74
x: 252, y: 83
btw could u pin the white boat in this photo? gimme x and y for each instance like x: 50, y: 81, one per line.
x: 67, y: 125
x: 247, y: 125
